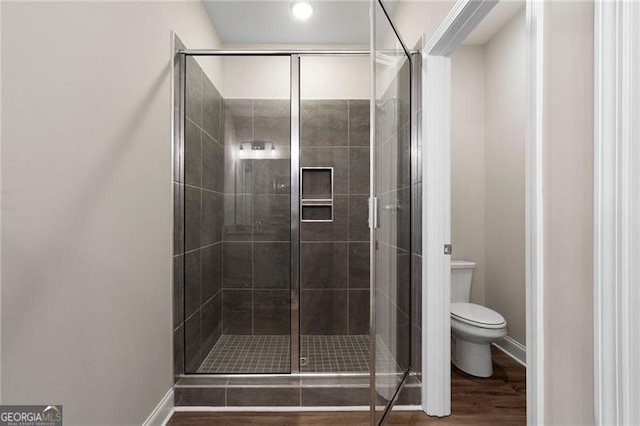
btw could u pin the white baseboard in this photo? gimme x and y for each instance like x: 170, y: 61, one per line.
x: 512, y: 348
x: 407, y: 408
x: 162, y: 413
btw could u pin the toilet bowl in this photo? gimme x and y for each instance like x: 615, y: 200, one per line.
x: 473, y: 327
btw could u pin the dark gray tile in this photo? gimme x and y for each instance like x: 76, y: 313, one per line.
x: 212, y: 160
x: 236, y: 311
x: 323, y: 123
x: 338, y: 158
x: 211, y: 323
x: 271, y: 217
x: 193, y: 92
x: 337, y: 230
x: 238, y: 121
x: 211, y: 271
x: 359, y: 302
x: 403, y: 147
x: 193, y: 282
x: 409, y: 395
x: 416, y: 291
x: 403, y: 218
x: 359, y: 265
x: 193, y: 218
x: 193, y: 154
x: 263, y: 397
x: 272, y: 176
x: 178, y: 218
x: 238, y: 217
x: 359, y: 171
x: 331, y: 381
x: 237, y: 265
x: 178, y: 352
x: 416, y: 350
x: 335, y: 397
x: 403, y: 284
x: 323, y: 312
x: 272, y: 122
x: 203, y: 397
x: 272, y: 265
x: 193, y: 343
x: 324, y: 265
x: 358, y: 218
x: 403, y: 347
x: 178, y: 290
x: 359, y: 123
x: 211, y: 217
x: 290, y: 381
x: 211, y: 108
x: 416, y: 212
x: 272, y: 312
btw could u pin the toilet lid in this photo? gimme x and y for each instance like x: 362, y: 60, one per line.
x: 477, y: 315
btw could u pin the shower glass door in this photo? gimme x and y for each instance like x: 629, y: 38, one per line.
x: 237, y: 214
x: 391, y: 238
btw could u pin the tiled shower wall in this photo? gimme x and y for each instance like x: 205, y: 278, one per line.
x: 334, y: 257
x: 257, y: 215
x: 256, y: 256
x: 198, y: 224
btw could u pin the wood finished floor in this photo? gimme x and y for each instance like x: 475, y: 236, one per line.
x: 498, y: 400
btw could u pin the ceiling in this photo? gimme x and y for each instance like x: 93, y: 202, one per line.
x: 334, y: 22
x: 270, y: 22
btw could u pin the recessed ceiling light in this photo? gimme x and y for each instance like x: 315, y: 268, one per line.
x: 301, y: 10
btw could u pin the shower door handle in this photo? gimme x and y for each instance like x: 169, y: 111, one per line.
x: 373, y: 213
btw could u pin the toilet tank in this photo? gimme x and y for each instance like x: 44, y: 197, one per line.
x: 461, y: 274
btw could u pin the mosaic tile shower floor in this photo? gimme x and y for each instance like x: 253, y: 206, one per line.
x: 270, y: 354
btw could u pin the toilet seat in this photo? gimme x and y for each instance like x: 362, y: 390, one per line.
x: 477, y: 315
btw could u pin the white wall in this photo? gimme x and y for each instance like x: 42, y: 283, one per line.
x: 568, y: 212
x: 86, y: 204
x: 468, y: 162
x: 505, y: 117
x: 321, y: 77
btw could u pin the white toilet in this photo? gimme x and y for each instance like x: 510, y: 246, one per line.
x: 473, y: 327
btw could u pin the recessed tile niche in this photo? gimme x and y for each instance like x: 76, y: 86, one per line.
x: 317, y: 194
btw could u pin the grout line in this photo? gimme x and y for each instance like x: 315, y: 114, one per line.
x: 199, y: 248
x: 348, y: 209
x: 202, y: 189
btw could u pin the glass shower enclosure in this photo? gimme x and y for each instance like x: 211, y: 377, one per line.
x: 292, y: 188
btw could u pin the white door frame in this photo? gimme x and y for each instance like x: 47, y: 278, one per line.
x: 436, y: 219
x: 617, y: 213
